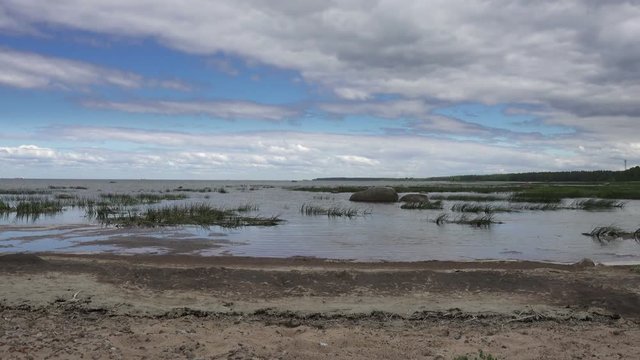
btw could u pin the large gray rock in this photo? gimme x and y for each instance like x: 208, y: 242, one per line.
x: 376, y: 194
x: 414, y: 198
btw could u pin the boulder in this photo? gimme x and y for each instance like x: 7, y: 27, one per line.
x: 376, y: 194
x: 414, y: 198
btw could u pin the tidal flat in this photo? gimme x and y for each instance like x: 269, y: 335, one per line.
x: 521, y: 221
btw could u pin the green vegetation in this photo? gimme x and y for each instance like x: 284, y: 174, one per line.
x: 34, y: 209
x: 467, y: 197
x: 555, y: 193
x: 144, y: 198
x: 632, y: 174
x: 478, y: 208
x: 4, y: 207
x: 607, y: 233
x: 423, y: 205
x: 67, y: 187
x: 247, y: 208
x: 536, y: 207
x: 194, y: 214
x: 481, y: 356
x: 597, y: 204
x: 24, y: 191
x: 335, y: 211
x: 478, y: 221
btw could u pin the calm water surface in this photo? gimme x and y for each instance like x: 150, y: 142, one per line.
x: 387, y: 233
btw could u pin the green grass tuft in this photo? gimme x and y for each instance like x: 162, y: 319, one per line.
x: 423, y: 205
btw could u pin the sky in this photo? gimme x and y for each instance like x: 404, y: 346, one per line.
x: 275, y: 89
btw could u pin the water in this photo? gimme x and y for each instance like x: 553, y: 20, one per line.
x: 387, y: 233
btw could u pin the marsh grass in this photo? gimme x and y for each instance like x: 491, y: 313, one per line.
x: 137, y: 199
x: 4, y: 207
x: 423, y: 205
x: 478, y: 208
x: 536, y: 207
x: 335, y: 211
x: 611, y: 232
x: 35, y: 209
x: 597, y: 204
x: 469, y: 197
x: 24, y: 191
x: 247, y: 208
x: 193, y: 214
x: 477, y: 221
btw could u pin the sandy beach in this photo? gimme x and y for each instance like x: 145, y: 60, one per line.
x: 56, y: 306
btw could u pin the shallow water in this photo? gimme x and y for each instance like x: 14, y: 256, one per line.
x: 387, y: 233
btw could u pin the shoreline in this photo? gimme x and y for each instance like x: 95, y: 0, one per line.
x: 187, y: 307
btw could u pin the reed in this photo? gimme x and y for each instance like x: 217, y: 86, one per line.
x: 478, y: 208
x: 597, y: 204
x: 247, y: 208
x: 5, y: 208
x: 34, y: 209
x: 335, y: 211
x: 193, y: 214
x: 469, y: 197
x: 424, y: 205
x: 477, y: 221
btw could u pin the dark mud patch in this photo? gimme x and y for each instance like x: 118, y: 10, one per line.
x: 173, y: 246
x: 21, y: 259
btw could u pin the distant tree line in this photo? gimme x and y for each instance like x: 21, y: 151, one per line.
x: 632, y: 174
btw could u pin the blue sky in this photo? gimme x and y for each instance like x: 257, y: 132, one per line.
x: 273, y: 90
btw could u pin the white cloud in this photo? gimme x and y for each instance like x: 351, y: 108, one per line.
x: 287, y: 155
x: 218, y: 109
x: 580, y: 56
x: 32, y: 71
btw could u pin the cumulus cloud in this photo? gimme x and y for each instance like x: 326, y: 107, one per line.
x: 217, y: 109
x: 33, y: 71
x: 288, y: 155
x: 579, y: 56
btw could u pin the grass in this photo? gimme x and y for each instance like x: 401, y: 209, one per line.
x: 597, y: 204
x: 24, y: 191
x: 335, y: 211
x: 478, y: 208
x: 536, y: 207
x: 144, y: 198
x: 478, y: 221
x: 34, y: 209
x: 627, y: 190
x: 194, y: 214
x: 247, y: 208
x: 423, y: 205
x: 470, y: 197
x: 4, y: 207
x: 606, y: 233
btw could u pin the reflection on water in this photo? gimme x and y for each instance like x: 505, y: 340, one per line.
x: 386, y: 233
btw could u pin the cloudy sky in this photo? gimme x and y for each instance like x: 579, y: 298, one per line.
x: 275, y: 89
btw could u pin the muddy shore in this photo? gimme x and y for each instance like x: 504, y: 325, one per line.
x: 168, y: 307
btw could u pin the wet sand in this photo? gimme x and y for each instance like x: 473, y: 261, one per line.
x: 175, y: 306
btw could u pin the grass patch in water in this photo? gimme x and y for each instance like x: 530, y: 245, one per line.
x: 469, y: 197
x: 423, y: 205
x: 335, y: 211
x: 597, y: 204
x: 194, y: 214
x: 24, y: 191
x: 607, y: 233
x: 247, y: 208
x: 137, y: 199
x: 478, y: 208
x: 477, y: 221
